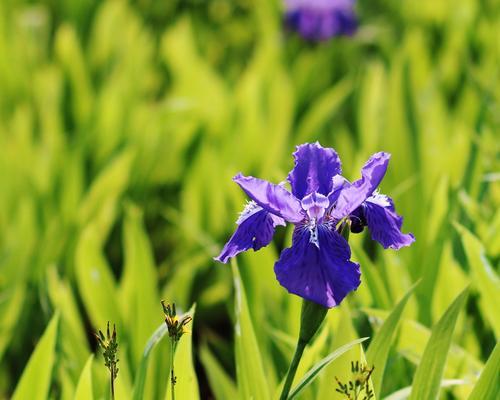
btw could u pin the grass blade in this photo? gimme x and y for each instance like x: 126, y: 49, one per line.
x: 316, y: 369
x: 488, y: 385
x: 140, y: 380
x: 426, y: 383
x: 84, y: 387
x: 403, y: 394
x: 220, y: 382
x: 36, y: 378
x: 378, y: 351
x: 485, y: 279
x: 249, y: 366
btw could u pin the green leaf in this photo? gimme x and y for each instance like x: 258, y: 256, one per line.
x: 411, y: 342
x: 488, y: 385
x: 84, y: 388
x: 35, y: 381
x: 252, y: 381
x: 95, y: 281
x: 73, y: 342
x: 485, y: 279
x: 221, y: 384
x: 322, y: 110
x: 186, y: 386
x: 340, y: 326
x: 404, y: 393
x: 426, y: 383
x: 140, y: 379
x: 139, y: 294
x: 100, y: 202
x: 316, y: 369
x: 378, y: 351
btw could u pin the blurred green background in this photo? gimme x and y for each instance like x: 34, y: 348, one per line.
x: 122, y: 123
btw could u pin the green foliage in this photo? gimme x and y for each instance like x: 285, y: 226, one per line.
x: 83, y: 389
x: 121, y: 125
x: 431, y: 367
x: 36, y: 378
x: 251, y: 377
x: 380, y: 345
x: 316, y: 369
x: 487, y: 387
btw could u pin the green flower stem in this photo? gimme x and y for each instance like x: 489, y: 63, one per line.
x: 112, y: 384
x: 299, y: 350
x: 172, y: 373
x: 311, y: 317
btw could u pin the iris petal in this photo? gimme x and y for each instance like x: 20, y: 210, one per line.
x: 384, y: 223
x: 353, y: 195
x: 315, y: 166
x: 272, y: 198
x: 255, y: 230
x: 321, y: 274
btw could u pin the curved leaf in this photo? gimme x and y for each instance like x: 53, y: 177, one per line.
x: 378, y: 351
x: 36, y: 378
x: 426, y: 383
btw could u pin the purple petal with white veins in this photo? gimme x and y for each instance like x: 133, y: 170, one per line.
x: 384, y: 223
x: 352, y: 196
x: 321, y: 274
x: 255, y: 230
x: 315, y: 166
x: 273, y: 198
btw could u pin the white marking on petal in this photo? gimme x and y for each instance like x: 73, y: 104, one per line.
x: 251, y: 207
x: 313, y: 232
x: 379, y: 199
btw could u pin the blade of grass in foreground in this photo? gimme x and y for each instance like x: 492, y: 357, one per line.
x: 379, y: 347
x: 426, y: 383
x: 84, y: 387
x: 249, y: 366
x: 140, y: 379
x: 316, y: 369
x: 488, y: 385
x: 486, y: 281
x: 403, y: 394
x: 36, y: 378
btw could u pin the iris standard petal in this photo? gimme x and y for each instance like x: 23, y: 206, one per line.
x: 321, y: 274
x: 273, y: 198
x: 255, y: 230
x: 353, y: 195
x: 384, y: 223
x: 315, y: 166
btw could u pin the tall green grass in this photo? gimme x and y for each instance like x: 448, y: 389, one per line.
x: 121, y: 126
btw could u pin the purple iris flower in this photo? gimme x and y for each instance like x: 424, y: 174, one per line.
x: 317, y: 266
x: 321, y: 19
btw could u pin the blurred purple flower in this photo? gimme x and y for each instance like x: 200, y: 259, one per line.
x: 317, y: 266
x: 321, y: 19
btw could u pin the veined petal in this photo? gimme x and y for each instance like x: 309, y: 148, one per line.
x: 273, y: 198
x: 338, y: 183
x: 315, y: 166
x: 353, y: 195
x: 255, y: 230
x: 323, y: 274
x: 384, y: 223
